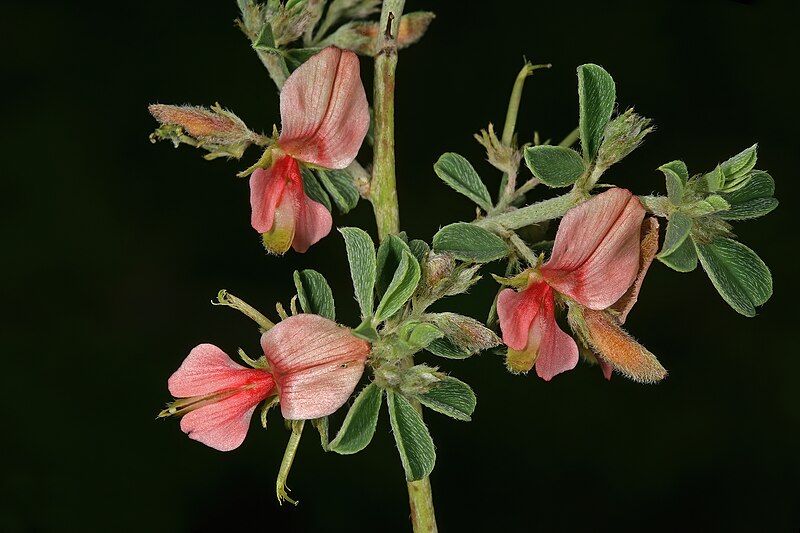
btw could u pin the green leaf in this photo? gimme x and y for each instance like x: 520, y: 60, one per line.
x: 265, y: 41
x: 359, y: 424
x: 446, y: 348
x: 361, y: 255
x: 413, y: 439
x: 339, y: 185
x: 752, y: 209
x: 417, y: 335
x: 451, y: 397
x: 739, y: 165
x: 313, y: 188
x: 366, y: 331
x: 459, y: 174
x: 676, y: 175
x: 759, y: 185
x: 469, y: 243
x: 739, y: 275
x: 555, y: 166
x: 678, y: 229
x: 419, y: 248
x: 597, y: 94
x: 390, y: 253
x: 295, y: 57
x: 714, y: 180
x: 752, y: 199
x: 678, y: 168
x: 314, y: 293
x: 403, y: 285
x: 682, y: 259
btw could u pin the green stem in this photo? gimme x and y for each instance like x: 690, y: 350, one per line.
x: 534, y: 213
x: 383, y: 189
x: 383, y: 194
x: 276, y: 67
x: 234, y: 302
x: 507, y: 184
x: 288, y: 459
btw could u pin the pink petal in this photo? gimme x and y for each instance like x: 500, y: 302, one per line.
x: 207, y: 369
x: 316, y: 364
x: 267, y: 190
x: 223, y: 425
x: 516, y: 311
x: 647, y: 251
x: 596, y: 252
x: 557, y: 350
x: 313, y: 222
x: 324, y: 111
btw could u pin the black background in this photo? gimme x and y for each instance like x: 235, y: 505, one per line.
x: 113, y: 248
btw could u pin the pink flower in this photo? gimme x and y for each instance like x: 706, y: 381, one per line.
x: 595, y: 260
x: 313, y: 365
x: 324, y: 116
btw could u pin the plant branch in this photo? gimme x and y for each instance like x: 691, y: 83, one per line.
x: 383, y: 188
x: 534, y: 213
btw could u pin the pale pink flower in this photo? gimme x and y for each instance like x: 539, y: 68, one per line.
x: 324, y: 118
x: 313, y: 366
x: 594, y: 262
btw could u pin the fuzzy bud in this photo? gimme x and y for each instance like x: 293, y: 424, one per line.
x: 622, y: 136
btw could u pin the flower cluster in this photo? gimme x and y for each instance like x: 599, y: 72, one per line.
x: 597, y: 260
x: 310, y: 364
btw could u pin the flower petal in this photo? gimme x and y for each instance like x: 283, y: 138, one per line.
x: 324, y: 110
x: 223, y: 425
x: 267, y: 191
x: 558, y: 352
x: 620, y: 350
x: 647, y: 251
x: 516, y: 311
x: 207, y: 369
x: 316, y: 364
x: 596, y: 252
x: 313, y: 223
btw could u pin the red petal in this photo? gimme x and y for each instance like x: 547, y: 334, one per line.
x: 557, y: 350
x: 316, y: 364
x: 313, y: 222
x: 223, y: 425
x: 596, y: 252
x: 267, y: 191
x: 516, y: 311
x: 207, y: 369
x: 324, y: 110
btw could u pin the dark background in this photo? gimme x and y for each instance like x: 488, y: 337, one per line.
x: 113, y: 248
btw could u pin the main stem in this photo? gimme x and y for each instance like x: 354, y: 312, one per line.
x: 383, y: 194
x: 383, y: 190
